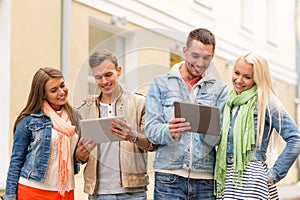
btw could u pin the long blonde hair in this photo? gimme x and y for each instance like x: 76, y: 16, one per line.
x: 265, y: 91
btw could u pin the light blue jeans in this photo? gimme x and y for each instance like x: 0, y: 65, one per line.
x: 170, y: 186
x: 122, y: 196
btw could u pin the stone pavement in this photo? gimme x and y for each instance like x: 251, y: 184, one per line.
x: 289, y: 192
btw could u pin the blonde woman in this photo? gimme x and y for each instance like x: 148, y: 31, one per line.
x: 251, y: 114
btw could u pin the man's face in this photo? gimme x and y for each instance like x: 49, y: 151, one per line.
x: 106, y: 76
x: 198, y: 57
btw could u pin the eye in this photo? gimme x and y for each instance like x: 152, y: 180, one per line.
x: 206, y: 58
x: 108, y: 74
x: 97, y: 77
x: 53, y: 90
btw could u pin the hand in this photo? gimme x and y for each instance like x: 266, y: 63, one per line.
x: 178, y: 126
x: 123, y: 130
x: 84, y: 148
x: 90, y: 99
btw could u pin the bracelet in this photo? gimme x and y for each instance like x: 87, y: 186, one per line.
x: 136, y: 138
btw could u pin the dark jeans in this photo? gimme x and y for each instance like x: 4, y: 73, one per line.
x: 170, y: 186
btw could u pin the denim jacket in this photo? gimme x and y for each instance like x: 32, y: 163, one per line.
x: 30, y: 153
x: 192, y: 151
x: 288, y: 131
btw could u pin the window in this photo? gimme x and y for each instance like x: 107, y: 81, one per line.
x: 204, y: 6
x: 247, y: 16
x: 208, y: 4
x: 272, y: 22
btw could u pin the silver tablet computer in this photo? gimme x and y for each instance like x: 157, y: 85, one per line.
x: 99, y: 129
x: 204, y: 119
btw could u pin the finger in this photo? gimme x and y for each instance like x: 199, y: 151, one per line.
x: 180, y: 125
x: 91, y: 146
x: 80, y: 143
x: 177, y: 120
x: 88, y: 143
x: 115, y: 126
x: 121, y: 122
x: 124, y: 125
x: 116, y: 130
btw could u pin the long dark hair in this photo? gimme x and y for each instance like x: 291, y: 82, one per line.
x: 37, y: 92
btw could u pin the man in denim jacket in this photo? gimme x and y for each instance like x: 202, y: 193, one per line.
x: 184, y: 161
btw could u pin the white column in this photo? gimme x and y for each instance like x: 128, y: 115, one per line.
x: 66, y: 37
x: 5, y: 32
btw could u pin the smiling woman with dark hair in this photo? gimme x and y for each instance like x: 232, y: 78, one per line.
x: 45, y: 136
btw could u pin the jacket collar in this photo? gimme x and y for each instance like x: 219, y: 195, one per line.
x: 38, y: 114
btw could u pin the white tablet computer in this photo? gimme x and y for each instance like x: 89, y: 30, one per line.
x: 204, y: 119
x: 99, y: 129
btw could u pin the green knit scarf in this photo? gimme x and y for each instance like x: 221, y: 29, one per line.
x: 243, y: 137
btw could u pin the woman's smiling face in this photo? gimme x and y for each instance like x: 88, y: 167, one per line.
x: 242, y: 77
x: 56, y: 92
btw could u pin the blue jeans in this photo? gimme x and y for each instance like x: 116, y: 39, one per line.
x: 122, y: 196
x: 170, y: 186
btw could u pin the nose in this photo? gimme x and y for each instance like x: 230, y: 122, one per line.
x: 239, y: 79
x: 200, y: 63
x: 61, y: 91
x: 102, y: 80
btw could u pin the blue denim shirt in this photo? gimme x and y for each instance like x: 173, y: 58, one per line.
x: 30, y: 153
x: 288, y: 131
x: 192, y: 151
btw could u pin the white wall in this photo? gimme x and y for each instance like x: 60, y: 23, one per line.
x: 223, y: 19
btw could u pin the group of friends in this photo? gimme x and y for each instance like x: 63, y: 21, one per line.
x: 48, y: 148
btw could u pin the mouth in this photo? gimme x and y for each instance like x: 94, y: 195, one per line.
x: 107, y: 86
x: 197, y: 69
x: 62, y: 98
x: 240, y: 87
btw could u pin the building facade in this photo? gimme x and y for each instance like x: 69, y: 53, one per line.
x: 148, y: 37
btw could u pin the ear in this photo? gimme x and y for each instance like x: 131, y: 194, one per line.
x: 119, y: 70
x: 184, y: 50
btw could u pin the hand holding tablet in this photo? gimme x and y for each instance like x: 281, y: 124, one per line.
x: 99, y: 129
x: 203, y: 119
